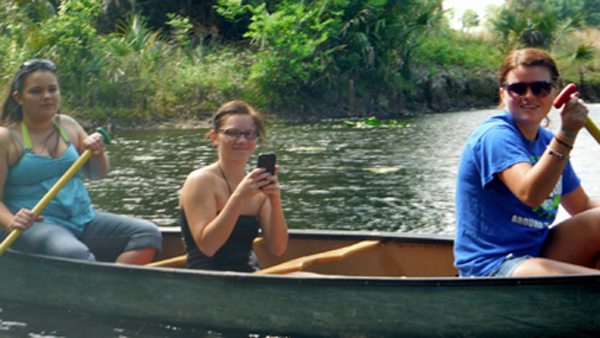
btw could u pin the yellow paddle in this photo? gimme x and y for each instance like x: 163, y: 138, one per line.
x: 54, y: 190
x: 564, y: 96
x: 593, y: 129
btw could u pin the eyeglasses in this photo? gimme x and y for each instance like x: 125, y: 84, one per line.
x: 33, y: 65
x: 538, y: 88
x: 235, y: 133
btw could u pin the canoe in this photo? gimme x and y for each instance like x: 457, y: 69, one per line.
x: 354, y: 284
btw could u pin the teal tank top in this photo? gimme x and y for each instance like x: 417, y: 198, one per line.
x: 33, y: 175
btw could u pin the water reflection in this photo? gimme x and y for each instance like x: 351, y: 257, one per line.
x: 52, y: 323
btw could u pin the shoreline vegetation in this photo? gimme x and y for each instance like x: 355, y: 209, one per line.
x: 169, y: 64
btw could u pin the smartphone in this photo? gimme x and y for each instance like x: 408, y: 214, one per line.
x: 267, y: 161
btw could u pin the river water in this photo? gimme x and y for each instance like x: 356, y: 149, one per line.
x: 333, y: 177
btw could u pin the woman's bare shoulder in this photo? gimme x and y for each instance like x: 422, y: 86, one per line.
x: 10, y: 151
x: 205, y: 176
x: 67, y: 120
x: 73, y: 128
x: 200, y: 187
x: 6, y: 137
x: 5, y: 133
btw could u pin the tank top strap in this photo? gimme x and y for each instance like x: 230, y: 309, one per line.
x: 17, y: 138
x: 62, y: 131
x: 27, y: 139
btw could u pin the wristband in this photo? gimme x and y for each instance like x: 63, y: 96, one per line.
x: 563, y: 143
x: 559, y: 155
x: 567, y: 134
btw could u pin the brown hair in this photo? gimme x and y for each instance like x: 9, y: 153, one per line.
x: 528, y: 57
x: 240, y: 108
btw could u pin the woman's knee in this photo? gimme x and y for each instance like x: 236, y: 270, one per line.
x: 145, y: 241
x: 73, y: 249
x: 146, y: 235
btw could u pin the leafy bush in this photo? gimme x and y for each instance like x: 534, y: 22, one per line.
x: 297, y: 57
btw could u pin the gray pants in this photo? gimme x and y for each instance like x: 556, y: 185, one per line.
x: 104, y: 238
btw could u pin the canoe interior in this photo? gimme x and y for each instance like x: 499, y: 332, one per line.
x: 398, y: 256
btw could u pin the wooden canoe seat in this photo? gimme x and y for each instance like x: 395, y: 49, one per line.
x: 298, y: 264
x: 294, y: 265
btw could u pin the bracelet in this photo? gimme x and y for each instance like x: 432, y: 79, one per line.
x: 560, y: 156
x: 563, y: 143
x: 567, y: 134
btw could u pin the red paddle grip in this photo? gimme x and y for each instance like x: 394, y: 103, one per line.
x: 565, y: 95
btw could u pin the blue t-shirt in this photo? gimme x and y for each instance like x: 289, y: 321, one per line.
x: 491, y: 222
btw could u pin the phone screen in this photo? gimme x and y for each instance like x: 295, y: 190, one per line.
x: 267, y: 161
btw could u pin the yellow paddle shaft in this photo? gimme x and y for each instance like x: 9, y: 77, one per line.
x: 48, y: 197
x: 593, y: 129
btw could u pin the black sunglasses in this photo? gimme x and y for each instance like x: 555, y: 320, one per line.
x: 538, y: 88
x: 33, y: 65
x: 250, y: 135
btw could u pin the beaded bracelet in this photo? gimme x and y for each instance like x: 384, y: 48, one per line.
x: 563, y: 143
x: 560, y: 156
x: 567, y: 134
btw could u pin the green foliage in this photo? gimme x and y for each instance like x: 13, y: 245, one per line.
x: 181, y: 27
x: 592, y: 8
x: 380, y: 55
x: 537, y: 24
x: 564, y: 9
x: 386, y: 34
x: 287, y: 43
x: 470, y: 19
x: 135, y: 34
x: 303, y: 46
x: 71, y: 32
x: 374, y: 122
x: 232, y: 10
x: 475, y: 52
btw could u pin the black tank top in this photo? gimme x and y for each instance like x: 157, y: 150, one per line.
x: 235, y: 255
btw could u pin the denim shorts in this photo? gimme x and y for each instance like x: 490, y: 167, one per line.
x: 506, y: 268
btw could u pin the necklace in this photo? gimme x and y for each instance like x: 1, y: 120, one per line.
x: 225, y: 178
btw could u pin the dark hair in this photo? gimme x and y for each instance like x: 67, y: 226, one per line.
x: 237, y: 107
x: 528, y: 57
x: 11, y: 109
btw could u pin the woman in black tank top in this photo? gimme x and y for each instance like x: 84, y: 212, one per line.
x: 223, y: 207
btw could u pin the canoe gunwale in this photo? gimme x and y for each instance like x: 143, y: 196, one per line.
x: 316, y: 279
x: 333, y: 306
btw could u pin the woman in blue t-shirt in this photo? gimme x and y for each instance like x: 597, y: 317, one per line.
x: 513, y: 175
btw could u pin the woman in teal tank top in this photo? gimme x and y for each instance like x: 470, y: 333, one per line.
x: 37, y: 146
x: 223, y: 206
